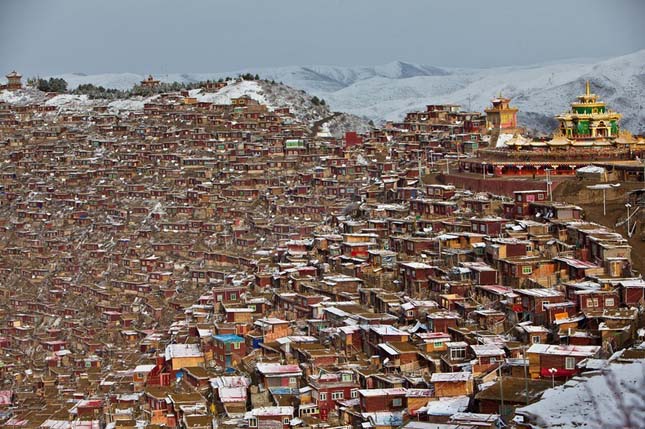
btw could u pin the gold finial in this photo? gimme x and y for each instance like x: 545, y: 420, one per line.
x: 588, y: 88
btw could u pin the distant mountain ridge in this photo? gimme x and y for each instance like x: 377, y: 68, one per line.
x: 387, y: 92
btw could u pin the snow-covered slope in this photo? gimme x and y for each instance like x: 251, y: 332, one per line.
x: 273, y: 95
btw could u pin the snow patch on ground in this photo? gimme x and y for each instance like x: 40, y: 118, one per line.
x: 224, y: 96
x: 69, y: 101
x: 131, y: 104
x: 22, y: 97
x: 602, y: 400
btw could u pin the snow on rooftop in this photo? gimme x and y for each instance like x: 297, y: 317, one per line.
x: 270, y: 411
x: 276, y: 368
x: 182, y: 350
x: 446, y: 406
x: 564, y: 350
x: 452, y: 377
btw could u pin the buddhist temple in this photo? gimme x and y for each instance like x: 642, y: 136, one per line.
x: 589, y: 122
x: 501, y: 116
x: 13, y: 81
x: 589, y: 132
x: 149, y: 82
x: 501, y: 120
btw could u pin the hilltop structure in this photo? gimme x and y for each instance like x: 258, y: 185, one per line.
x: 13, y: 81
x: 501, y: 120
x: 150, y: 82
x: 589, y: 122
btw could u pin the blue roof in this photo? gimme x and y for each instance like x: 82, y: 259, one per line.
x: 229, y: 338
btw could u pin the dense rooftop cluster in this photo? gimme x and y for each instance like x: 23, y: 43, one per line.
x: 203, y: 265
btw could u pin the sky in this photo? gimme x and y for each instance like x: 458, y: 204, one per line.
x: 191, y: 36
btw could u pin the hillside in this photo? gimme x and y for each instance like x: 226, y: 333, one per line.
x: 273, y: 95
x: 388, y: 91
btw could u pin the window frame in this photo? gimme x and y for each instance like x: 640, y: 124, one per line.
x: 457, y: 353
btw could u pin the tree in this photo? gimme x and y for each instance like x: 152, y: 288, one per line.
x: 57, y: 84
x: 315, y: 100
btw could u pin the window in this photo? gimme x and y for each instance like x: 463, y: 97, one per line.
x: 337, y: 395
x: 285, y: 421
x: 459, y: 353
x: 535, y: 339
x: 569, y: 363
x: 253, y: 422
x: 609, y: 302
x: 323, y: 396
x: 527, y: 269
x: 354, y: 393
x: 544, y: 303
x: 292, y: 380
x: 236, y: 346
x: 219, y: 298
x: 519, y: 197
x: 592, y: 302
x: 396, y: 402
x: 233, y: 297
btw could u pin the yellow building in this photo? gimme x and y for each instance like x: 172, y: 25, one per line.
x: 184, y: 355
x: 589, y: 121
x: 501, y: 116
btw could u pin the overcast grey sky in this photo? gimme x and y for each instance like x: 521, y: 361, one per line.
x: 141, y: 36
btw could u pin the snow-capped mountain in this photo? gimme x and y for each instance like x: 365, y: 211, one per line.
x: 388, y: 91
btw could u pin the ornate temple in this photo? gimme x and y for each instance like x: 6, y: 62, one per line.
x: 589, y: 120
x: 588, y: 132
x: 501, y: 120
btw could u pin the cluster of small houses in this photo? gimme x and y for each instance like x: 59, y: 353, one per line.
x: 195, y: 265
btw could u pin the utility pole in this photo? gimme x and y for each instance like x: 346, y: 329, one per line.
x: 549, y: 189
x: 501, y: 391
x: 526, y: 379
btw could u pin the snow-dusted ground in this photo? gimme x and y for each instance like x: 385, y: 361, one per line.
x: 387, y: 92
x: 604, y: 400
x: 224, y: 95
x: 69, y: 101
x: 273, y: 95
